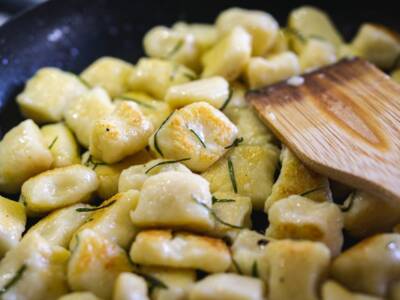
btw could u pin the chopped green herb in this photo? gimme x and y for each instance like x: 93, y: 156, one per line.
x: 165, y: 163
x: 158, y: 130
x: 87, y: 209
x: 321, y: 188
x: 235, y: 143
x: 227, y: 100
x: 254, y: 270
x: 198, y: 137
x: 176, y: 48
x: 216, y: 200
x: 153, y: 282
x: 214, y: 215
x: 13, y: 280
x: 141, y: 103
x: 346, y: 206
x: 23, y: 200
x: 232, y: 175
x: 316, y: 37
x: 236, y: 265
x: 93, y: 162
x: 53, y: 142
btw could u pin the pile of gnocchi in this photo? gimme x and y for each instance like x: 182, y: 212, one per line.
x: 158, y: 181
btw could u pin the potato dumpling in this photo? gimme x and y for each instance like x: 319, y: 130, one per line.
x: 12, y: 224
x: 265, y: 71
x: 58, y: 227
x: 58, y: 188
x: 246, y: 251
x: 111, y: 220
x: 366, y: 214
x: 213, y: 90
x: 294, y: 269
x: 296, y: 179
x: 311, y: 22
x: 47, y: 93
x: 176, y: 283
x: 229, y: 56
x: 315, y: 54
x: 228, y: 287
x: 370, y: 266
x: 165, y: 43
x: 242, y: 170
x: 110, y: 73
x: 135, y: 176
x: 174, y: 199
x: 25, y: 147
x: 197, y: 131
x: 81, y: 113
x: 109, y: 174
x: 62, y: 145
x: 377, y: 44
x: 281, y: 43
x: 154, y: 76
x: 250, y: 127
x: 206, y: 35
x: 334, y: 291
x: 166, y: 248
x: 123, y: 133
x: 297, y: 217
x: 262, y: 27
x: 237, y: 99
x: 153, y: 109
x: 34, y: 270
x: 95, y: 264
x: 130, y: 286
x: 79, y: 296
x: 234, y: 211
x: 396, y: 75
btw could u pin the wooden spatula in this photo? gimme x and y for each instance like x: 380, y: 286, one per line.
x: 343, y: 121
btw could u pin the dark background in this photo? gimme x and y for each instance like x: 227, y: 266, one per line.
x: 93, y: 28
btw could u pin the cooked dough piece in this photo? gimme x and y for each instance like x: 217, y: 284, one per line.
x: 228, y: 287
x: 262, y: 27
x: 165, y: 43
x: 130, y: 286
x: 315, y: 54
x: 233, y: 210
x: 58, y: 227
x: 109, y: 174
x: 378, y: 44
x: 366, y: 214
x: 47, y: 93
x: 85, y: 110
x: 79, y: 296
x: 297, y: 179
x: 174, y: 199
x: 58, y: 188
x: 154, y: 76
x: 265, y: 71
x: 123, y: 133
x: 110, y: 73
x: 229, y: 56
x: 213, y: 90
x: 157, y: 111
x: 250, y: 127
x: 396, y: 75
x: 281, y: 43
x: 180, y: 250
x: 300, y: 218
x: 177, y: 282
x: 36, y: 270
x: 247, y: 170
x: 370, y: 266
x: 246, y: 251
x: 294, y: 269
x: 22, y: 146
x: 135, y: 176
x: 237, y: 98
x: 95, y: 264
x: 334, y: 291
x: 12, y: 224
x: 62, y: 145
x: 198, y: 131
x: 206, y: 35
x: 111, y: 220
